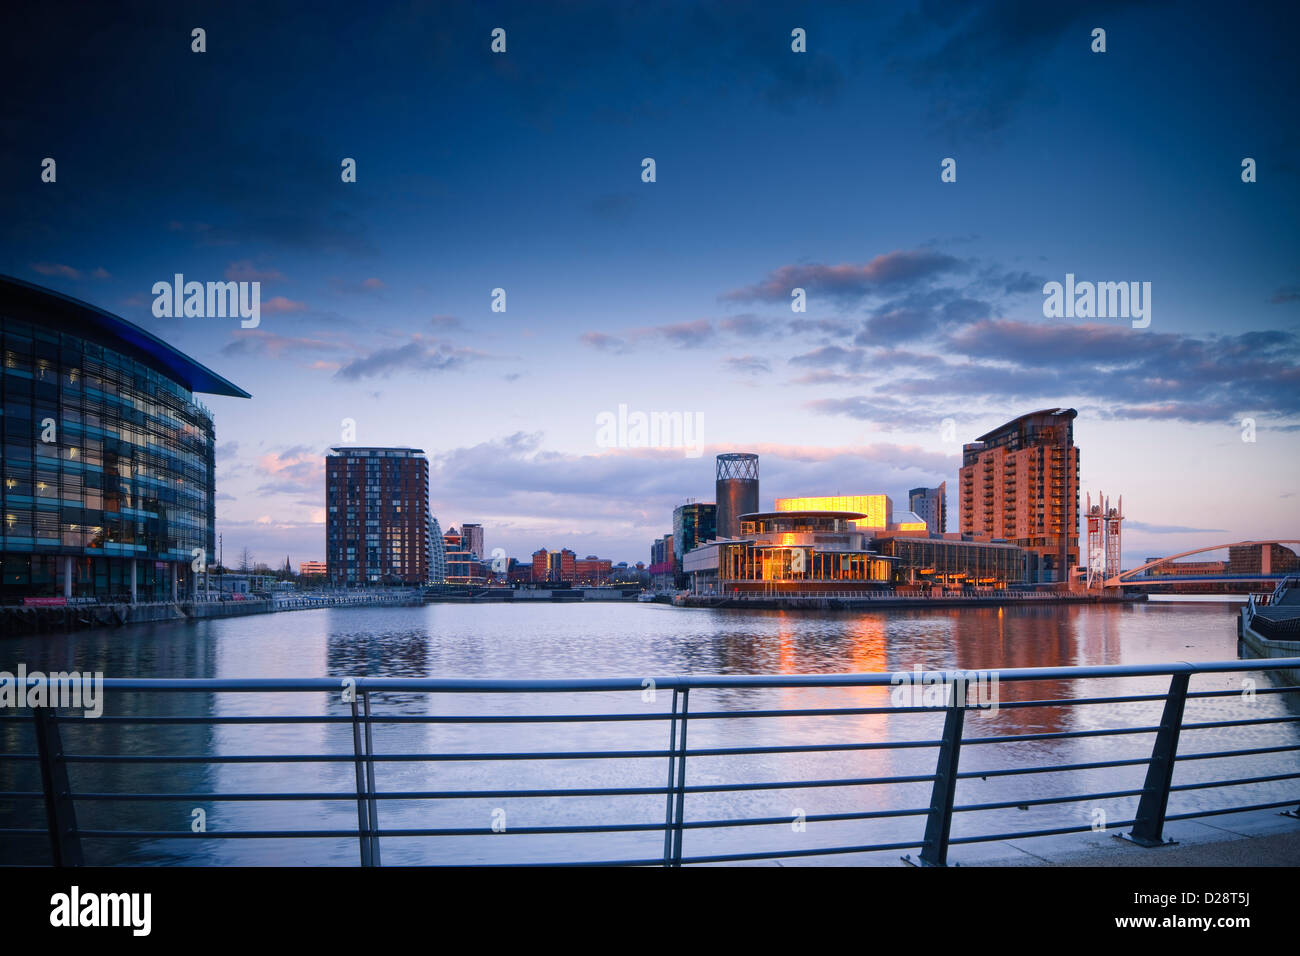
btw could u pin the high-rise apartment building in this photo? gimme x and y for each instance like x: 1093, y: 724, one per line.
x: 931, y: 504
x: 693, y: 524
x: 377, y: 516
x: 473, y: 538
x: 1020, y: 483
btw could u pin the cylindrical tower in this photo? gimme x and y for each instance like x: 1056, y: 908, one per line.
x: 737, y: 491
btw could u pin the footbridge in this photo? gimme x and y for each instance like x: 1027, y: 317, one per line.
x: 1139, y: 576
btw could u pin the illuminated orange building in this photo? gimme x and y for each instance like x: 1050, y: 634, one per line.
x: 876, y: 510
x: 1020, y: 483
x: 790, y: 551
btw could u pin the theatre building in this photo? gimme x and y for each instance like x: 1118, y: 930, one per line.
x: 790, y: 552
x: 107, y: 457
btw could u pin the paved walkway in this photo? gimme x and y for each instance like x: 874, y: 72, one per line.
x: 1253, y: 838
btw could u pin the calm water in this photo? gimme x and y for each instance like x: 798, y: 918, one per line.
x: 591, y: 640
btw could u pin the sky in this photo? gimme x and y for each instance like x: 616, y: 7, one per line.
x: 523, y: 171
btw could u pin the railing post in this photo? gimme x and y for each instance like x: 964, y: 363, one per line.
x: 672, y: 790
x: 681, y: 783
x: 370, y: 788
x: 363, y: 804
x: 61, y: 820
x: 938, y: 824
x: 1148, y: 830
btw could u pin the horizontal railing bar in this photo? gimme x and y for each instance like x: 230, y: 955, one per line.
x: 1055, y: 831
x: 1213, y: 754
x: 1240, y: 781
x: 790, y: 854
x: 1043, y: 801
x: 675, y: 682
x: 1238, y: 693
x: 1059, y: 735
x: 1223, y: 811
x: 218, y: 834
x: 1204, y: 725
x: 1058, y: 768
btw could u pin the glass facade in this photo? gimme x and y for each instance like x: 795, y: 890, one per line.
x: 106, y: 461
x: 948, y: 562
x: 876, y: 509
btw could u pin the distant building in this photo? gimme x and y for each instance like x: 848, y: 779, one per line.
x: 693, y: 524
x: 463, y: 566
x: 1262, y: 559
x: 376, y: 522
x: 313, y: 567
x: 736, y: 492
x: 592, y: 571
x: 931, y: 504
x: 661, y: 563
x: 789, y: 552
x: 562, y: 566
x: 472, y: 536
x: 519, y: 573
x: 1020, y: 482
x: 437, y: 553
x: 876, y: 510
x: 541, y: 565
x: 907, y: 521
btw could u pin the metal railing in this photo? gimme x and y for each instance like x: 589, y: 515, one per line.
x: 60, y: 761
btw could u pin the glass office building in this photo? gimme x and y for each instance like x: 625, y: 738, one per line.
x: 107, y: 458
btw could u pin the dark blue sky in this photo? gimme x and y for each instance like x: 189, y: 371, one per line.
x: 774, y: 169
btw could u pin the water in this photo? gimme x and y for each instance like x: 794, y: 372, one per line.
x: 624, y: 640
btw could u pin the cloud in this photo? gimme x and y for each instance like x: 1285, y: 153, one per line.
x: 1288, y: 293
x: 1131, y: 525
x: 243, y: 270
x: 262, y: 342
x: 56, y: 269
x: 602, y: 341
x: 749, y: 365
x: 979, y: 62
x: 362, y: 287
x: 1129, y: 374
x: 296, y: 470
x: 850, y: 281
x: 418, y: 355
x: 279, y: 304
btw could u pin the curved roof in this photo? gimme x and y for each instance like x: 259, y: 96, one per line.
x: 1069, y: 413
x: 47, y: 307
